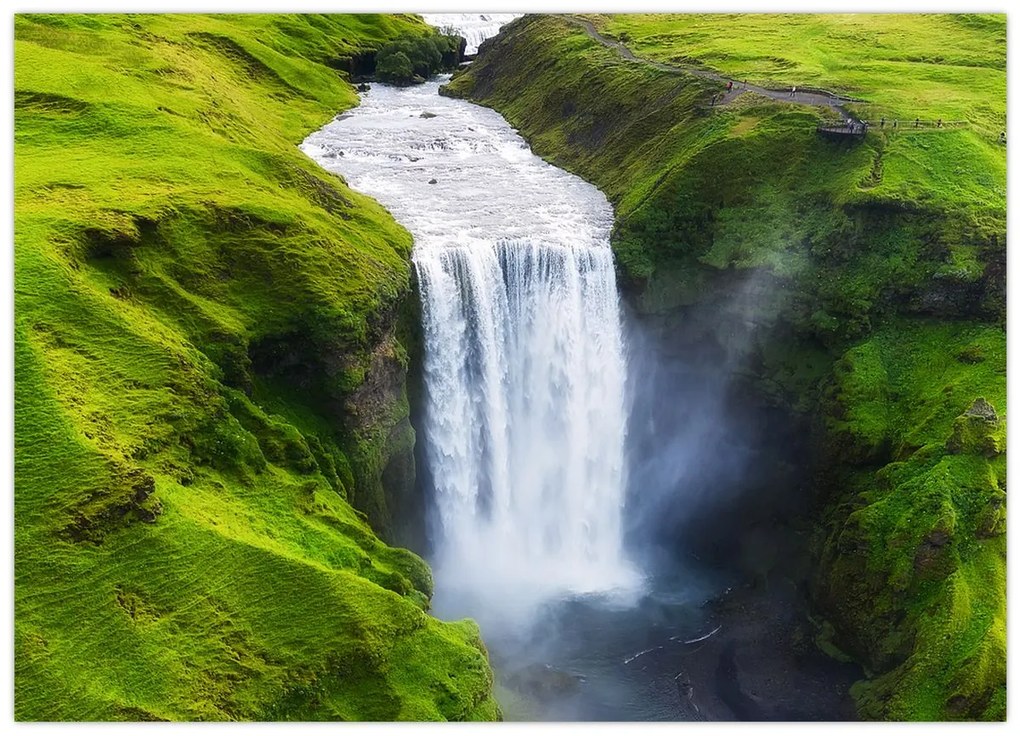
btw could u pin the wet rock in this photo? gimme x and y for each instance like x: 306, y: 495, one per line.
x: 433, y: 181
x: 427, y: 115
x: 950, y: 295
x: 981, y: 408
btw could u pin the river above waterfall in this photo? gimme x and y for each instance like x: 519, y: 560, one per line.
x: 451, y: 171
x: 525, y: 375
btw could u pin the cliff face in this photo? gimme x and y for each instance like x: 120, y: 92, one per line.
x: 859, y: 288
x: 211, y: 412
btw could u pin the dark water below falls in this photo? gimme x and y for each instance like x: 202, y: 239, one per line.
x: 593, y: 659
x: 524, y: 430
x: 678, y: 652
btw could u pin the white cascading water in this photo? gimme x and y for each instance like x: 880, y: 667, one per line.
x: 524, y: 361
x: 474, y: 27
x: 524, y: 375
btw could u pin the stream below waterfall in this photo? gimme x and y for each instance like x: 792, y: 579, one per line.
x: 524, y: 428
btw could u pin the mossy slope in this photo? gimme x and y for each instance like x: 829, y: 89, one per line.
x: 873, y: 278
x: 209, y: 372
x: 914, y: 557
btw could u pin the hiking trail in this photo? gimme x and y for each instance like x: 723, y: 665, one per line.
x: 813, y: 98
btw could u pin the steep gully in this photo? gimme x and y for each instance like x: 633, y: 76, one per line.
x: 527, y: 396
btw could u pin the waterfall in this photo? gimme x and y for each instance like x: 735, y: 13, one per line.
x: 474, y: 27
x: 525, y: 418
x: 524, y: 369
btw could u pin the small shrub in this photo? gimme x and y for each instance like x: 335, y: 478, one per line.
x: 395, y: 68
x: 412, y: 59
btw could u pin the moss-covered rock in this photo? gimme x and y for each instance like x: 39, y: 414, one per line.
x: 978, y: 430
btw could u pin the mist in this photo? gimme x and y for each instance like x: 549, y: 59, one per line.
x: 704, y: 455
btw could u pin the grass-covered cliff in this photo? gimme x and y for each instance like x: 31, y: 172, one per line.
x: 877, y: 276
x: 210, y: 380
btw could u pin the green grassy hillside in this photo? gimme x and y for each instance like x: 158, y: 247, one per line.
x: 878, y: 275
x: 209, y: 373
x: 904, y: 66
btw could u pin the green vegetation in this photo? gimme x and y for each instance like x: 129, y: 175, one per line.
x: 949, y: 66
x: 210, y: 372
x: 416, y: 58
x: 914, y: 572
x: 874, y: 271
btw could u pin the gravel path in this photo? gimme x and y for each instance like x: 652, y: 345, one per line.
x: 814, y: 98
